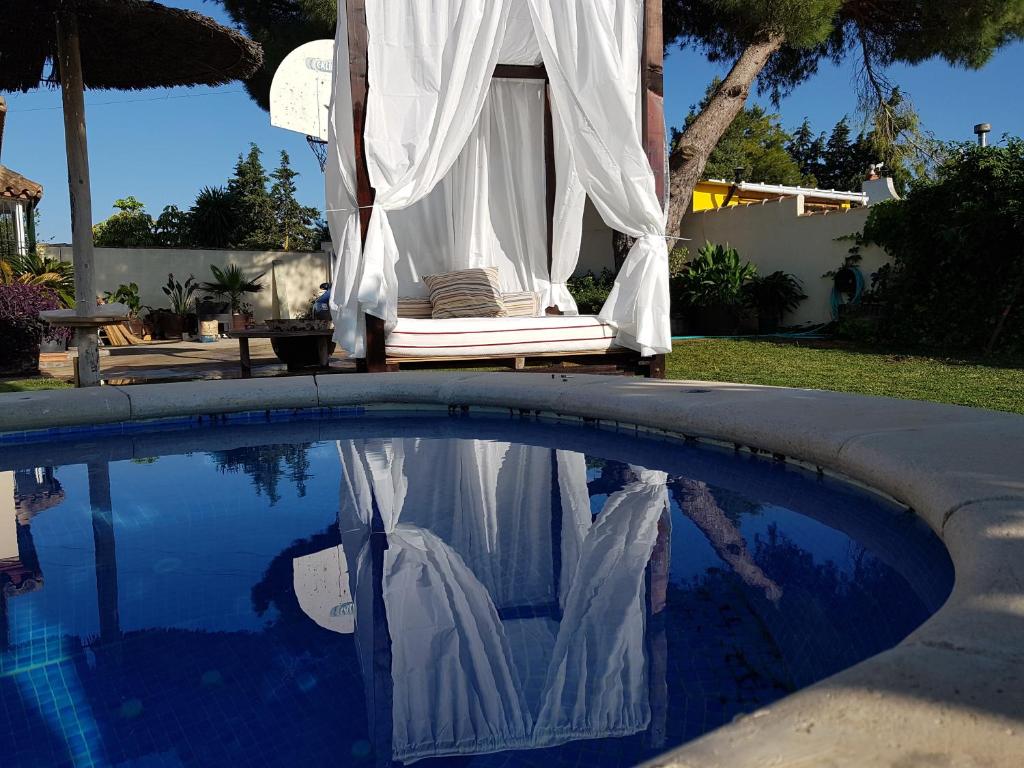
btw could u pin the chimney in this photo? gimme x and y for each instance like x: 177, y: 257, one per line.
x: 3, y: 119
x: 982, y: 130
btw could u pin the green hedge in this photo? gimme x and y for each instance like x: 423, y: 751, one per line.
x: 957, y: 248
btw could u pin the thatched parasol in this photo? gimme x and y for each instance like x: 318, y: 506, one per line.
x: 126, y: 45
x: 109, y: 44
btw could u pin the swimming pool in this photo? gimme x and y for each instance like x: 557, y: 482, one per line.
x: 452, y: 590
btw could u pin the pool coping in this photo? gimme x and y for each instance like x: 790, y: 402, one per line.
x: 951, y: 694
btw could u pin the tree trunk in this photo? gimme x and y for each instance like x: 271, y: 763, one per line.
x: 697, y: 143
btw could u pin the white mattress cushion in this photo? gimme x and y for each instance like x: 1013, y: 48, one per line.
x: 511, y: 336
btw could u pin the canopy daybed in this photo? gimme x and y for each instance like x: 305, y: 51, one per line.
x: 470, y: 134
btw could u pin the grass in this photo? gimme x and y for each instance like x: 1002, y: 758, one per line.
x: 998, y: 385
x: 32, y: 385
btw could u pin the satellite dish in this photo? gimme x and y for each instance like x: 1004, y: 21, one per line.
x: 301, y: 91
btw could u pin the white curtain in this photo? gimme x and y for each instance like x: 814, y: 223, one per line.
x: 487, y: 211
x: 591, y: 51
x: 342, y: 208
x: 597, y: 677
x: 430, y: 65
x: 455, y: 688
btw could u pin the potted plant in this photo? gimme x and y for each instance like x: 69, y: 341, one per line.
x: 231, y: 283
x: 130, y: 297
x: 711, y: 289
x: 181, y: 296
x: 773, y: 297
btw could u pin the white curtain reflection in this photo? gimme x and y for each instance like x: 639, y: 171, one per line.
x: 516, y: 619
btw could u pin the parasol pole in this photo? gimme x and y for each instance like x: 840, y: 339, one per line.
x: 73, y: 93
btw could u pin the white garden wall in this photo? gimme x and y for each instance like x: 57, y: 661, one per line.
x: 292, y: 276
x: 777, y: 235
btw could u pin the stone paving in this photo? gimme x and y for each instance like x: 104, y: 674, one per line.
x: 157, y: 361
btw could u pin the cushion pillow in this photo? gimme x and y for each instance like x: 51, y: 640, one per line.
x: 466, y: 293
x: 522, y: 304
x: 419, y: 309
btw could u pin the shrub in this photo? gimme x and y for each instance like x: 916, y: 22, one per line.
x: 590, y: 291
x: 21, y: 330
x: 773, y: 296
x: 127, y: 294
x: 957, y: 259
x: 715, y: 278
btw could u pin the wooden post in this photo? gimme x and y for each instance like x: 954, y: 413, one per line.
x: 105, y: 551
x: 73, y: 93
x: 358, y: 63
x: 550, y: 175
x: 653, y: 82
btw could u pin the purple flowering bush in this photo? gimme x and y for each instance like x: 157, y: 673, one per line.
x: 21, y: 330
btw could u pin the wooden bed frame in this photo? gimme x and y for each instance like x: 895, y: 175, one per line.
x: 653, y: 132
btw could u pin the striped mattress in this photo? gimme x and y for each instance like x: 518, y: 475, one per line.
x: 490, y: 336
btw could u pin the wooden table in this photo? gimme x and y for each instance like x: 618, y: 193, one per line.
x: 321, y: 338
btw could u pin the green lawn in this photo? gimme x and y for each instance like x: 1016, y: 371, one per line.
x: 985, y: 384
x: 32, y: 385
x: 815, y: 365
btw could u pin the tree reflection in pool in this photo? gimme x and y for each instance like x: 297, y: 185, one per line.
x: 461, y: 591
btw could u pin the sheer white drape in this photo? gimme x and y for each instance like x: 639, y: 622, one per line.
x: 487, y: 211
x: 342, y: 208
x: 430, y: 65
x: 591, y: 51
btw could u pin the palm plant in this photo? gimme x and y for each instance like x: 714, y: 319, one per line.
x: 33, y: 268
x: 214, y: 218
x: 715, y: 278
x: 181, y: 295
x: 231, y: 283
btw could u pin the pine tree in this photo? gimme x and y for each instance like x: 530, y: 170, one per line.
x: 248, y: 187
x: 297, y: 227
x: 755, y: 142
x: 807, y: 151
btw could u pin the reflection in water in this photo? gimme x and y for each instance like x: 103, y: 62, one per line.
x: 482, y: 601
x: 266, y: 465
x: 515, y: 619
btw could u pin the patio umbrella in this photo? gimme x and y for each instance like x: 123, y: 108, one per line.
x: 109, y: 44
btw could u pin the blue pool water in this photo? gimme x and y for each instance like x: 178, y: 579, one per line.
x: 466, y: 591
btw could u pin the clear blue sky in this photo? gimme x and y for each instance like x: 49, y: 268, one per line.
x: 162, y: 146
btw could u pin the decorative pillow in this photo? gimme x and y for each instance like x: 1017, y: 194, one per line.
x: 420, y: 309
x: 522, y: 304
x: 466, y: 293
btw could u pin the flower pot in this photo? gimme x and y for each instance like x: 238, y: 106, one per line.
x: 173, y: 326
x: 136, y: 326
x: 300, y: 352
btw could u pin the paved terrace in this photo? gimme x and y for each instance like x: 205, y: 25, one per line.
x: 951, y: 694
x: 176, y: 360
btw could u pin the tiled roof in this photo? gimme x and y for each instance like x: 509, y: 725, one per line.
x: 15, y: 186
